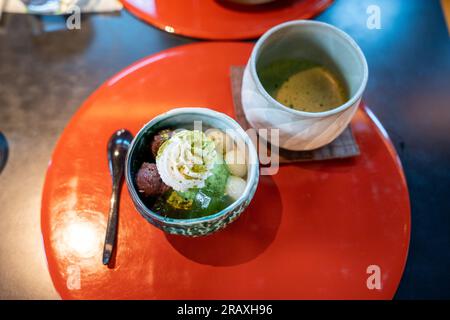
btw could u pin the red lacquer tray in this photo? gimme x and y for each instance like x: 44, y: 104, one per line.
x: 310, y: 232
x: 215, y: 19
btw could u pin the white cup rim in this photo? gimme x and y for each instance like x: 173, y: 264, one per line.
x: 332, y: 28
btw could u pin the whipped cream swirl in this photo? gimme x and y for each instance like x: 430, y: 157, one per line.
x: 186, y: 160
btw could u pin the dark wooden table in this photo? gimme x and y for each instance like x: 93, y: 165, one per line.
x: 45, y: 77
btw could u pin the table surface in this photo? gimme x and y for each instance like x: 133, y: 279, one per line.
x: 44, y: 79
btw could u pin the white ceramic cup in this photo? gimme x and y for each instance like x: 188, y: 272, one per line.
x: 318, y: 42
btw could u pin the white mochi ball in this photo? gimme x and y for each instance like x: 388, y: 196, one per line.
x: 236, y: 161
x: 222, y: 141
x: 235, y: 187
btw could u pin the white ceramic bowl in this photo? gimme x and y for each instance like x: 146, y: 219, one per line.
x: 318, y: 42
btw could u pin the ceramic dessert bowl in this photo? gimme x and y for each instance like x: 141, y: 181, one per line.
x: 318, y: 42
x: 183, y: 117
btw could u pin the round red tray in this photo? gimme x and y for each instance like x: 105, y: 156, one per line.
x: 214, y: 19
x: 311, y: 231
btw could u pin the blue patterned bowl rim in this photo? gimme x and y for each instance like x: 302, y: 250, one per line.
x: 252, y: 175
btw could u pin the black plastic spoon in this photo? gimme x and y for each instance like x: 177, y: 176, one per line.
x: 117, y: 150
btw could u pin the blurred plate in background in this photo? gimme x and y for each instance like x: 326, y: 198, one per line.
x: 221, y: 19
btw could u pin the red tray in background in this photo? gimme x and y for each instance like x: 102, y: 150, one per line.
x: 217, y: 20
x: 311, y: 231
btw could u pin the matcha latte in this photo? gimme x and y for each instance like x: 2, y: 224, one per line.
x: 303, y: 85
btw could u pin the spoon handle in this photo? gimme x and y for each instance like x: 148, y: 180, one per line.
x: 111, y: 229
x: 3, y: 151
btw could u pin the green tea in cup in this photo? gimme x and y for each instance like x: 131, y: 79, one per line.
x: 303, y: 85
